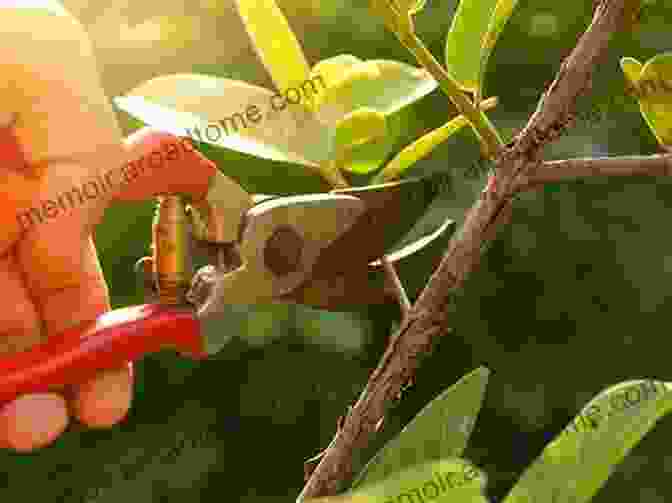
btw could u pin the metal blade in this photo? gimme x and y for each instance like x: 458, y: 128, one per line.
x: 365, y: 286
x: 392, y: 209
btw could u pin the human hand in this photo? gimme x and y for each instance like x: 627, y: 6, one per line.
x: 59, y: 144
x: 51, y: 276
x: 52, y: 279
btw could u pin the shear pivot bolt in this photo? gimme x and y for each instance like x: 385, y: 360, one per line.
x: 282, y: 253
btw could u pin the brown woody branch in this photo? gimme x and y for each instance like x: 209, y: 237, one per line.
x: 571, y: 169
x: 428, y: 318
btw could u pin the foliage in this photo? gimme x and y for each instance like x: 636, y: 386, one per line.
x: 441, y: 429
x: 653, y: 83
x: 345, y: 131
x: 346, y: 124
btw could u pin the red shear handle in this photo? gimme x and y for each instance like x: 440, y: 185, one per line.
x: 109, y: 341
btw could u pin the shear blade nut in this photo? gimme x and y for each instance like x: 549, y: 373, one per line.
x: 283, y: 251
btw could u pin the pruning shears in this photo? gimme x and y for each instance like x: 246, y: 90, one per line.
x: 314, y: 249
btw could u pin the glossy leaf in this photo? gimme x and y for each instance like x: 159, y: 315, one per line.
x: 580, y: 460
x: 366, y: 158
x: 363, y: 155
x: 359, y: 127
x: 502, y: 13
x: 446, y: 479
x: 342, y: 330
x: 334, y: 69
x: 632, y: 70
x: 471, y: 38
x: 275, y: 42
x: 441, y: 429
x: 361, y: 140
x: 231, y: 114
x: 288, y: 178
x: 655, y: 96
x: 382, y: 85
x: 452, y: 480
x: 424, y: 145
x: 253, y: 173
x: 465, y: 39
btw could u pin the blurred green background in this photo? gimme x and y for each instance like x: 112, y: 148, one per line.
x: 571, y: 299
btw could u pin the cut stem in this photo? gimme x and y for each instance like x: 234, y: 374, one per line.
x: 394, y: 281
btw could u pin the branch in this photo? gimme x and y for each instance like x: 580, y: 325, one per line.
x: 428, y: 319
x: 569, y: 169
x: 553, y: 112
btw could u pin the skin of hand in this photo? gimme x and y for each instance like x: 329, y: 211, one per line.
x: 59, y: 134
x: 51, y: 274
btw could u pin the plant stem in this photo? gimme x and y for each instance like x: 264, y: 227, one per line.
x: 572, y: 169
x: 429, y: 318
x: 484, y: 129
x: 424, y: 145
x: 330, y: 172
x: 395, y: 282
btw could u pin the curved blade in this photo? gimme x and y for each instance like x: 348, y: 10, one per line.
x: 392, y: 209
x: 365, y: 286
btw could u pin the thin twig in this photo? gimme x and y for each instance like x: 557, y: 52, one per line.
x: 428, y: 319
x: 395, y: 283
x: 570, y: 169
x: 478, y: 121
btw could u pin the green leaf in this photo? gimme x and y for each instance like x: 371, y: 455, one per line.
x: 441, y: 429
x: 574, y: 466
x: 632, y: 69
x: 465, y: 39
x: 262, y: 176
x: 419, y: 149
x: 336, y: 329
x: 231, y: 114
x: 382, y: 85
x: 500, y: 16
x: 448, y: 479
x: 333, y: 69
x: 366, y: 158
x: 275, y: 42
x: 655, y: 96
x: 472, y: 35
x: 362, y: 141
x: 359, y: 127
x: 424, y: 145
